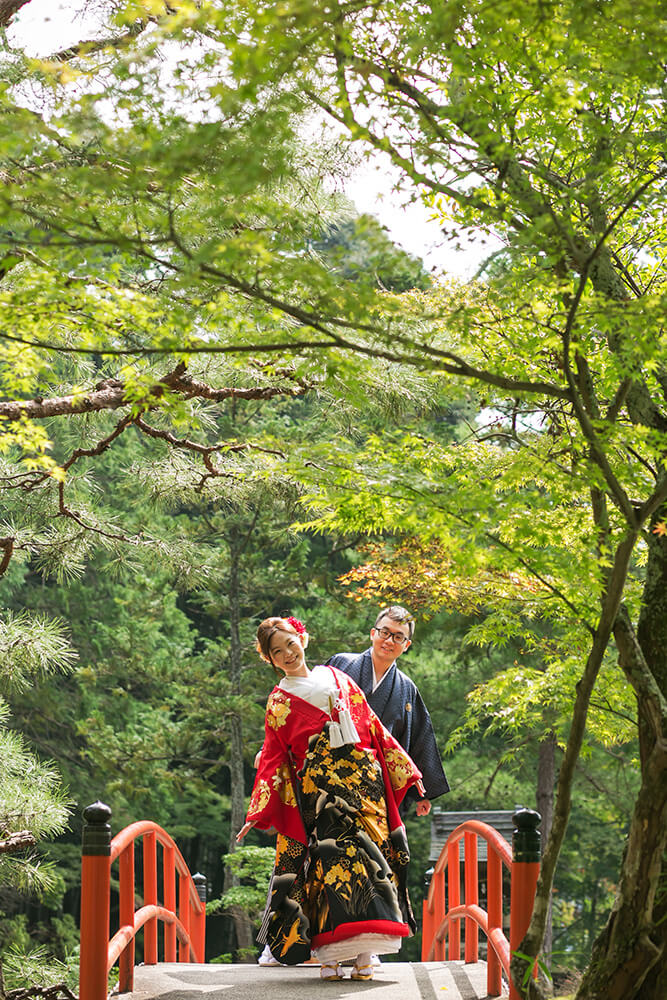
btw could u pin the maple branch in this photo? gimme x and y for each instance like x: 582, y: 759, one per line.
x: 618, y: 401
x: 426, y: 357
x: 597, y: 453
x: 522, y: 560
x: 653, y: 503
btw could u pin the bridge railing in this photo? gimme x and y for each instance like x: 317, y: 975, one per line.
x: 184, y: 923
x: 444, y: 912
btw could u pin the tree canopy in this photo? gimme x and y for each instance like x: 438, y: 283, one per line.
x: 163, y: 220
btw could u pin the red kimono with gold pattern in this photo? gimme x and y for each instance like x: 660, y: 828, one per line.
x: 341, y: 856
x: 290, y: 722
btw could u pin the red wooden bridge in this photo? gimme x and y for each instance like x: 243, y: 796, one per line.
x: 182, y: 914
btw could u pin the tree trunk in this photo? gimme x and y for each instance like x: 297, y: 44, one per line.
x: 652, y: 636
x: 532, y: 941
x: 8, y: 8
x: 629, y: 957
x: 653, y: 987
x: 631, y: 945
x: 546, y: 781
x: 242, y: 923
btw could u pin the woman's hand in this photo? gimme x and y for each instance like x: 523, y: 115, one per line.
x: 242, y: 832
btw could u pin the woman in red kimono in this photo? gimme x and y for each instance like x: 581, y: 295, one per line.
x: 330, y: 781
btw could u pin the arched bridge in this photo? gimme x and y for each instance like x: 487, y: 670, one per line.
x: 452, y: 903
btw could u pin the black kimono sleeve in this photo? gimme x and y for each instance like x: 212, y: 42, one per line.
x: 424, y: 750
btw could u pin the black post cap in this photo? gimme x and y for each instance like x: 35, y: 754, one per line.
x: 526, y: 838
x: 96, y: 839
x: 201, y: 885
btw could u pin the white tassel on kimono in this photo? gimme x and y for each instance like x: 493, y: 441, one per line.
x: 335, y: 735
x: 347, y: 726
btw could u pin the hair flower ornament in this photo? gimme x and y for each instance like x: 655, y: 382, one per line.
x: 296, y: 624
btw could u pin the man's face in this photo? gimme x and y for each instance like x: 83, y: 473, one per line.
x: 390, y: 639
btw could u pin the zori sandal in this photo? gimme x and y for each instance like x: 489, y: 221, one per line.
x: 362, y: 972
x: 332, y: 973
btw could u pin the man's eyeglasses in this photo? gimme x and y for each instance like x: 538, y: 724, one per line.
x: 396, y: 637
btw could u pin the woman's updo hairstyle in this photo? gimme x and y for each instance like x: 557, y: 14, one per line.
x: 268, y: 628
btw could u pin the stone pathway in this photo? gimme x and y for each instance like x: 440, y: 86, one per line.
x: 393, y: 981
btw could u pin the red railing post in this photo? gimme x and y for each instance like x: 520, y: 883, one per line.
x: 126, y: 917
x: 525, y: 871
x: 427, y: 918
x: 471, y: 882
x: 184, y: 914
x: 95, y: 884
x: 454, y: 884
x: 494, y: 906
x: 427, y: 930
x: 439, y: 913
x: 199, y: 919
x: 169, y: 882
x: 150, y: 897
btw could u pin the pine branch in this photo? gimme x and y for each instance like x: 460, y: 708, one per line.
x: 16, y: 842
x: 66, y: 511
x: 8, y: 545
x: 201, y: 449
x: 94, y: 45
x: 111, y: 395
x: 45, y: 992
x: 206, y: 451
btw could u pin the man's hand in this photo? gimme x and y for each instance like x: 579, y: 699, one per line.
x: 242, y: 832
x: 258, y: 757
x: 423, y: 807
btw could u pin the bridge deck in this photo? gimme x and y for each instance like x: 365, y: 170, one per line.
x: 393, y: 981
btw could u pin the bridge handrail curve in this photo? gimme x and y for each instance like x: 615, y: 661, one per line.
x: 443, y: 910
x: 124, y: 934
x: 182, y: 912
x: 491, y: 836
x: 495, y: 936
x: 139, y: 829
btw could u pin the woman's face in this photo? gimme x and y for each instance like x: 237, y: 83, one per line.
x: 287, y: 654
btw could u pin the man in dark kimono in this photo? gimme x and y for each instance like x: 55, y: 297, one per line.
x: 396, y: 699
